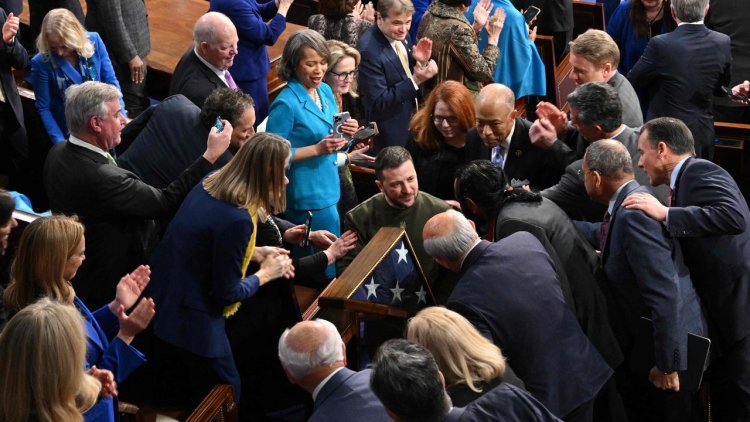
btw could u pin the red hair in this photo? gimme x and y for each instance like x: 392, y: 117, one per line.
x: 460, y: 102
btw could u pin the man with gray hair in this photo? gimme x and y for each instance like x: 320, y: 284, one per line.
x: 314, y: 357
x: 683, y: 70
x: 510, y: 292
x: 645, y: 272
x: 595, y: 113
x: 204, y: 66
x: 81, y: 177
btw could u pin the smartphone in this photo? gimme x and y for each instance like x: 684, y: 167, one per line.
x: 531, y: 13
x: 308, y: 224
x: 218, y: 124
x: 732, y: 95
x: 338, y: 121
x: 362, y: 135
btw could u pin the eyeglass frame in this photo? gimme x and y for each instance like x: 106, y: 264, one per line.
x: 451, y: 120
x: 341, y: 77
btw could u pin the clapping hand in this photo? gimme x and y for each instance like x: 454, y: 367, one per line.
x: 137, y: 321
x: 558, y: 118
x: 422, y: 51
x: 130, y: 287
x: 107, y: 379
x: 481, y: 14
x: 495, y: 26
x: 10, y: 28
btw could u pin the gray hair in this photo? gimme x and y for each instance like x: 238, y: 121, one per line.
x: 610, y: 158
x: 88, y: 100
x: 386, y: 7
x: 300, y: 363
x: 672, y: 132
x: 597, y: 103
x: 406, y: 379
x: 689, y: 10
x: 454, y: 245
x: 206, y: 27
x: 294, y: 48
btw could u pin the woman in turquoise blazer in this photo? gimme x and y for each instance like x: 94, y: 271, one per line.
x: 303, y: 113
x: 68, y: 55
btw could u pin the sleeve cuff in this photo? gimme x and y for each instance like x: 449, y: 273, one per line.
x: 342, y: 159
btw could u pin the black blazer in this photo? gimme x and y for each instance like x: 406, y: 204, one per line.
x: 509, y: 291
x: 541, y: 167
x: 710, y: 217
x: 388, y: 94
x: 164, y: 140
x: 116, y: 207
x: 16, y: 57
x: 683, y: 70
x: 194, y: 79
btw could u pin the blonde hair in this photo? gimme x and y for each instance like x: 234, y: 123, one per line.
x: 42, y: 356
x: 63, y: 23
x: 462, y: 354
x: 46, y: 246
x: 254, y: 177
x: 339, y: 50
x: 596, y: 46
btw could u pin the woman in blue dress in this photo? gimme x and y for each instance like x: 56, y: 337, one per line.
x: 49, y: 254
x: 68, y: 55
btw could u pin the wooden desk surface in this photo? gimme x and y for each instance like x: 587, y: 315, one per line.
x: 171, y: 25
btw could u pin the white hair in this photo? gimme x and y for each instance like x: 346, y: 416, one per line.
x: 455, y: 244
x: 300, y: 363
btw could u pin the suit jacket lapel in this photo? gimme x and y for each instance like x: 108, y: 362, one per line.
x: 474, y: 255
x: 93, y: 156
x: 685, y: 165
x: 64, y: 68
x: 627, y: 190
x: 210, y: 74
x: 308, y: 103
x: 514, y: 150
x: 390, y: 53
x: 94, y: 332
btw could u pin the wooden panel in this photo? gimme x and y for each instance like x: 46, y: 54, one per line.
x: 545, y: 44
x: 729, y: 151
x: 563, y: 84
x: 587, y: 16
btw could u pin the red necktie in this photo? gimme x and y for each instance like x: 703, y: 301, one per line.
x: 603, y: 233
x: 669, y: 198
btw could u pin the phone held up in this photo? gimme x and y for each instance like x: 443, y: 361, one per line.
x: 308, y: 224
x: 218, y: 124
x: 338, y: 120
x: 530, y: 14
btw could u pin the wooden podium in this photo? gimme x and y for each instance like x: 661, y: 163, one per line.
x: 402, y: 289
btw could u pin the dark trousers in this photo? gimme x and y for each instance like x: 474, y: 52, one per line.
x: 729, y: 380
x: 133, y: 94
x: 258, y: 89
x: 582, y: 413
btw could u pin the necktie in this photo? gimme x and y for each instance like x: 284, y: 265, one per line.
x: 111, y: 159
x: 669, y: 197
x: 603, y: 233
x: 498, y: 156
x: 230, y: 80
x: 401, y: 53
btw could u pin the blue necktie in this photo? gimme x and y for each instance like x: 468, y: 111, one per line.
x: 498, y: 156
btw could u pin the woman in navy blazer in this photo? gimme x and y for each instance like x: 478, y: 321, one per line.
x: 50, y: 252
x: 68, y: 55
x: 303, y: 113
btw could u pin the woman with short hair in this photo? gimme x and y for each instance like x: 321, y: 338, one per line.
x: 303, y: 113
x: 42, y: 355
x: 68, y: 55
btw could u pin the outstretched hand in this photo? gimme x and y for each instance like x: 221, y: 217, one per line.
x: 130, y: 287
x: 648, y: 204
x: 137, y: 321
x: 422, y: 51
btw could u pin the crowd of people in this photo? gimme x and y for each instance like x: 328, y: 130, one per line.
x: 589, y: 263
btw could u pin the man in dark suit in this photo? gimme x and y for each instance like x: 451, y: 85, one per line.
x: 503, y: 138
x: 407, y: 380
x: 596, y: 113
x: 683, y: 70
x: 710, y: 217
x: 204, y: 66
x: 645, y: 272
x: 14, y: 150
x: 314, y: 357
x: 390, y: 76
x: 163, y: 141
x: 116, y: 207
x: 509, y: 291
x: 123, y: 26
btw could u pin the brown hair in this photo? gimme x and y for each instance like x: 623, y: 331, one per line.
x: 639, y: 21
x: 459, y: 100
x: 46, y: 246
x: 597, y: 47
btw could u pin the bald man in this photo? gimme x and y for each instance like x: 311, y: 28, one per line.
x: 204, y: 66
x: 509, y: 291
x: 503, y: 138
x: 314, y: 357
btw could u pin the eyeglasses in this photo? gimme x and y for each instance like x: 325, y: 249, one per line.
x: 451, y: 120
x: 582, y: 175
x: 345, y: 75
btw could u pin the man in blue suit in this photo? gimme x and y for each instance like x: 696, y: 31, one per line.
x: 510, y: 292
x: 314, y: 357
x: 390, y: 78
x: 406, y: 378
x: 710, y: 217
x: 647, y: 278
x: 683, y: 70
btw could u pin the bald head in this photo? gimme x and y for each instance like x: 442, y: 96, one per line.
x: 496, y: 114
x: 215, y: 39
x: 448, y: 236
x: 310, y: 345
